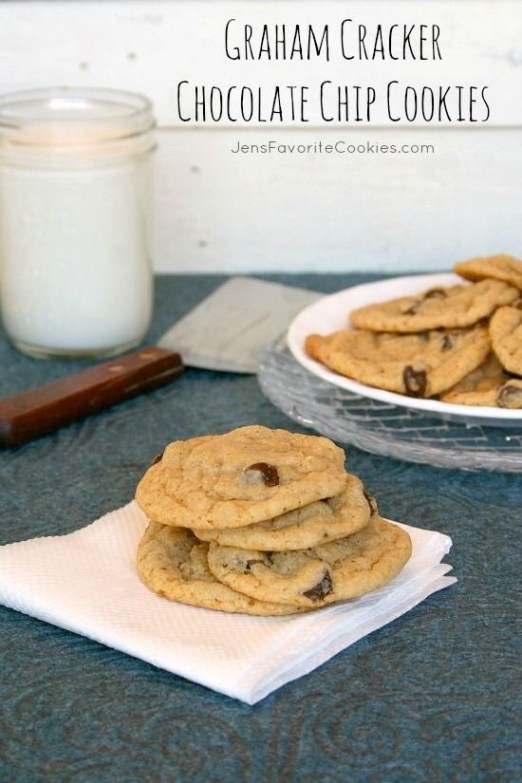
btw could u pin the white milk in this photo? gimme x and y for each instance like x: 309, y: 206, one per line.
x: 75, y: 272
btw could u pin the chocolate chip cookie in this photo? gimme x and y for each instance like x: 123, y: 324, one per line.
x: 489, y: 385
x: 498, y: 267
x: 245, y: 476
x: 313, y: 524
x: 437, y: 308
x: 173, y: 564
x: 419, y: 365
x: 505, y: 329
x: 339, y: 570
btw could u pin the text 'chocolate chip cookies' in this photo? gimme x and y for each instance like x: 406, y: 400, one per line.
x: 461, y: 344
x: 263, y: 522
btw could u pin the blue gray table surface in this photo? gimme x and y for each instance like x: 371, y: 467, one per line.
x: 434, y: 697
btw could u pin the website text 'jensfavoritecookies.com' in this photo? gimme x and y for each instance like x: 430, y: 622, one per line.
x: 339, y: 147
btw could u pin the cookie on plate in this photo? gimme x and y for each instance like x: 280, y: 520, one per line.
x: 489, y: 385
x: 173, y: 564
x: 317, y: 523
x: 245, y: 476
x: 438, y: 308
x: 498, y: 267
x: 419, y: 365
x: 505, y: 329
x: 342, y: 569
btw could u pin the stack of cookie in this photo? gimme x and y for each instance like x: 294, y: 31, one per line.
x: 262, y: 521
x: 461, y: 344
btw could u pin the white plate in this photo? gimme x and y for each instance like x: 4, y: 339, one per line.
x: 330, y: 314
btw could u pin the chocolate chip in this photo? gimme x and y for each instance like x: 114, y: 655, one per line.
x: 321, y: 589
x: 371, y: 502
x: 157, y: 458
x: 450, y: 338
x: 413, y: 308
x: 510, y: 396
x: 415, y: 381
x: 266, y: 559
x: 436, y: 293
x: 250, y: 563
x: 268, y: 473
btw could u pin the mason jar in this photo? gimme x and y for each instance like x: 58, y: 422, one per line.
x: 75, y: 271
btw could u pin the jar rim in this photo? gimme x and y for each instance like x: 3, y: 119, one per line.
x: 112, y: 113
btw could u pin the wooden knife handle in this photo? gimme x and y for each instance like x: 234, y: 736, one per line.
x: 46, y: 408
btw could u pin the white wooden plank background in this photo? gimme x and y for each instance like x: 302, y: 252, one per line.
x: 216, y: 211
x: 344, y: 212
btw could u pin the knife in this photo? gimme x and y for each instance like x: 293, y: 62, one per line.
x: 249, y: 313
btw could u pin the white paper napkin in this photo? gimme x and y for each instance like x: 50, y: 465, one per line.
x: 86, y: 582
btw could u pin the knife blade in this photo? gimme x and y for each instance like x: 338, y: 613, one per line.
x: 226, y: 331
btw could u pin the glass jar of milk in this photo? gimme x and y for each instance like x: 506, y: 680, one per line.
x: 75, y: 274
